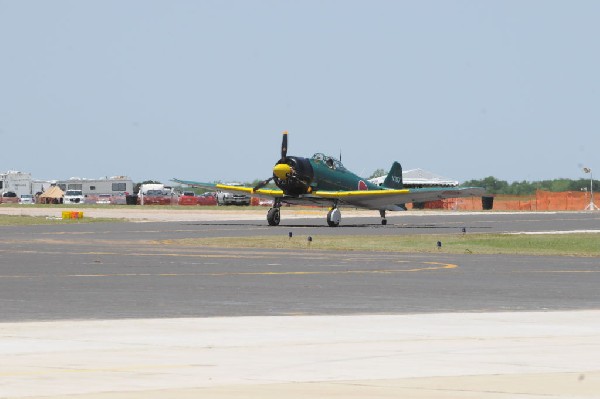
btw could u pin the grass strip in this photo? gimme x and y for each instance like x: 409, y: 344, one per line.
x: 585, y: 244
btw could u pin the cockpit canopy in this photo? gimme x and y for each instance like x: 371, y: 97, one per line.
x: 328, y: 160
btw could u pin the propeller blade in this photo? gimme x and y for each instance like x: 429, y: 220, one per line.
x: 262, y: 184
x: 284, y: 146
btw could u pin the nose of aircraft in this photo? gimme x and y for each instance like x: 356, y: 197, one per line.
x: 282, y: 171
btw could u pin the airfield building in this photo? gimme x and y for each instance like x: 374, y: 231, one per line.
x: 419, y: 178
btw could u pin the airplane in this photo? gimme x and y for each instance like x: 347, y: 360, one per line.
x: 322, y: 180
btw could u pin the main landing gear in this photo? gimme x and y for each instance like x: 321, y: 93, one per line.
x: 274, y: 216
x: 383, y: 219
x: 334, y: 216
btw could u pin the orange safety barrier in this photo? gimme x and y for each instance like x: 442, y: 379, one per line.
x: 540, y: 201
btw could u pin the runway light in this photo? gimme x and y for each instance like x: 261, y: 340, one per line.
x: 309, y: 239
x: 439, y: 245
x: 592, y: 205
x: 464, y: 230
x: 290, y: 234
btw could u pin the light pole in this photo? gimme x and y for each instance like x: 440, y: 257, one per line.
x: 591, y: 206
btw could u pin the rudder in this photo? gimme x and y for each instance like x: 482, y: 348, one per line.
x: 394, y: 177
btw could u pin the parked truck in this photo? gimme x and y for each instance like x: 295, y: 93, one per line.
x: 226, y: 198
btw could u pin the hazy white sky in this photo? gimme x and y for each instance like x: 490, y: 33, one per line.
x: 202, y: 90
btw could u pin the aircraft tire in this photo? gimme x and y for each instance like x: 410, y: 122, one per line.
x: 273, y: 217
x: 383, y: 222
x: 333, y: 217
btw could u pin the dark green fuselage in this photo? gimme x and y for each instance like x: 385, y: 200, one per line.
x: 330, y: 175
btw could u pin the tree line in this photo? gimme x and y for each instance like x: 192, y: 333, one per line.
x: 493, y: 185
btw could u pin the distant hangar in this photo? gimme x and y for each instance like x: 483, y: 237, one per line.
x: 420, y: 178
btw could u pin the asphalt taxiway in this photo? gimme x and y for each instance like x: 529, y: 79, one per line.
x: 112, y: 281
x: 138, y: 270
x: 134, y: 314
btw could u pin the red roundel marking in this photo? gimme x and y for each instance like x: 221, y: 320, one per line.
x: 362, y: 185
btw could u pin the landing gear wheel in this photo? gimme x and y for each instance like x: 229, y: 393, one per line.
x: 334, y: 216
x: 383, y: 219
x: 273, y: 217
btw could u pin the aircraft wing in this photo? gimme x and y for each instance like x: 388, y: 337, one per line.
x: 391, y: 199
x: 262, y: 193
x: 369, y: 199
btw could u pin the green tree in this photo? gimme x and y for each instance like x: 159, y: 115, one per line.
x: 521, y: 188
x: 559, y: 185
x: 377, y: 173
x: 496, y: 186
x: 490, y: 183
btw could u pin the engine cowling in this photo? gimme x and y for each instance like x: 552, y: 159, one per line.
x: 293, y: 175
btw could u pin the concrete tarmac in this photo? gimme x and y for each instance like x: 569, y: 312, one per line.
x: 117, y: 310
x: 453, y: 355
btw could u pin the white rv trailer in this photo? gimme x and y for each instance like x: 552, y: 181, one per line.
x: 16, y: 182
x: 118, y: 187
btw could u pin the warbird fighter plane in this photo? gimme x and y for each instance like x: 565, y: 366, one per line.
x: 323, y: 180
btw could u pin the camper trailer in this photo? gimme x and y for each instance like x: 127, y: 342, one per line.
x: 15, y: 182
x: 117, y: 187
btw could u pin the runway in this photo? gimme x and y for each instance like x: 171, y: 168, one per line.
x: 137, y: 270
x: 141, y: 316
x: 91, y: 282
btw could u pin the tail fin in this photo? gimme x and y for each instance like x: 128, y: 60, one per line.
x: 394, y: 177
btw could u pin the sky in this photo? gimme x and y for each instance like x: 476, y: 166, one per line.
x: 202, y: 90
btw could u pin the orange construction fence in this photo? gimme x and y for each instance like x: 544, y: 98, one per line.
x: 540, y: 201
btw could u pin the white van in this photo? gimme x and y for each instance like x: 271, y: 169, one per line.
x: 73, y: 197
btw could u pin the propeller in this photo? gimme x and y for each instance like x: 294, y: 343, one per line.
x: 292, y: 175
x: 284, y: 147
x: 281, y: 168
x: 262, y: 184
